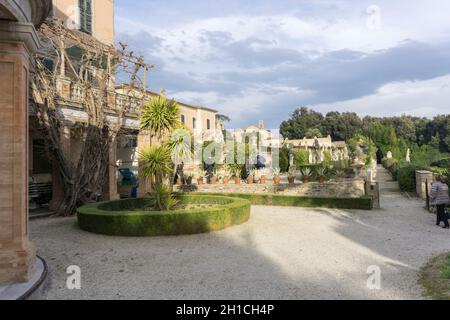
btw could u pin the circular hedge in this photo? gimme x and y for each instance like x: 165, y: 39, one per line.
x: 133, y: 217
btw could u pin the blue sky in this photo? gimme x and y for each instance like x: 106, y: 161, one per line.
x: 260, y: 59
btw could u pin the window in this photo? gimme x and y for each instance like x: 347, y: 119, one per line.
x: 194, y: 123
x: 41, y: 160
x: 86, y: 15
x: 183, y: 119
x: 208, y: 124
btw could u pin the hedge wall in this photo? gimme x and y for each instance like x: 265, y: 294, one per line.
x: 363, y: 203
x: 130, y: 217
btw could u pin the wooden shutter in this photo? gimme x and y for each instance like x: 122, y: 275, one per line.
x: 85, y: 15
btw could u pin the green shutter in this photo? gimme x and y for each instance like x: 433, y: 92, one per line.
x: 85, y: 15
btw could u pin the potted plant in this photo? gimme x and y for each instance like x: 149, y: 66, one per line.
x: 321, y: 173
x: 262, y: 178
x: 213, y: 179
x: 291, y: 177
x: 201, y: 177
x: 276, y: 176
x: 306, y: 174
x: 340, y: 174
x: 226, y: 173
x: 188, y: 176
x: 250, y: 178
x: 237, y: 175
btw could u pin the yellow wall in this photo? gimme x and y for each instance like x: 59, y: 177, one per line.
x: 103, y: 16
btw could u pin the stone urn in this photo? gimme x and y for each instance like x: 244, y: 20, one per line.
x: 277, y: 180
x: 263, y: 180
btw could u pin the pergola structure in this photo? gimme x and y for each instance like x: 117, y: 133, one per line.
x: 18, y: 41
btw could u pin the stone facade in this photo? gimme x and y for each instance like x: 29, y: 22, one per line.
x: 340, y: 189
x: 338, y: 149
x: 18, y: 39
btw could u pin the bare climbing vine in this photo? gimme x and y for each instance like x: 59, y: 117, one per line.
x: 74, y: 66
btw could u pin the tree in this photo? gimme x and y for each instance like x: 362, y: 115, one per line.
x: 313, y: 133
x: 301, y: 121
x: 92, y: 70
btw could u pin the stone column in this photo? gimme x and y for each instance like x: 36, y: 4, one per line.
x: 110, y: 192
x: 422, y: 177
x: 17, y: 253
x: 57, y: 183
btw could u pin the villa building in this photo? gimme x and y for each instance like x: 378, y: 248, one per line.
x: 338, y: 149
x: 264, y: 139
x: 95, y: 21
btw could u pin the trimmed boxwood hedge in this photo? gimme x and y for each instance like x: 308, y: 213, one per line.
x: 363, y: 203
x: 130, y: 217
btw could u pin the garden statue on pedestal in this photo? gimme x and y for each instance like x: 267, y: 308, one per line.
x: 408, y: 155
x: 389, y: 155
x: 318, y: 150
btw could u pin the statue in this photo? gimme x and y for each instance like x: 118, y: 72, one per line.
x: 408, y: 155
x: 318, y: 150
x: 389, y: 155
x: 291, y: 159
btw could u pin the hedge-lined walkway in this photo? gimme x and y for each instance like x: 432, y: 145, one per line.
x: 281, y: 253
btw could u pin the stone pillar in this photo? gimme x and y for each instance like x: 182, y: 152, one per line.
x: 421, y: 180
x: 17, y: 254
x: 144, y: 141
x: 110, y: 192
x: 57, y: 183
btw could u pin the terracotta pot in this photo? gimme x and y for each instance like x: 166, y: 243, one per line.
x: 305, y: 179
x: 189, y: 181
x: 263, y: 180
x: 226, y: 180
x: 200, y: 181
x: 237, y: 181
x: 321, y: 179
x: 277, y: 180
x: 291, y: 180
x: 179, y: 182
x: 213, y: 181
x: 250, y: 180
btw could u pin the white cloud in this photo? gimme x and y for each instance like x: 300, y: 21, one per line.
x: 420, y: 98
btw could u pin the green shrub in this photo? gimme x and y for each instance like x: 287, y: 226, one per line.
x: 284, y: 159
x: 388, y: 163
x: 443, y: 163
x: 133, y: 218
x: 363, y: 203
x: 301, y: 158
x: 406, y: 176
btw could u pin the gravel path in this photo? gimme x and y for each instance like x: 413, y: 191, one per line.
x: 281, y: 253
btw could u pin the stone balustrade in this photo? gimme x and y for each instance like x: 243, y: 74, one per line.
x: 348, y: 188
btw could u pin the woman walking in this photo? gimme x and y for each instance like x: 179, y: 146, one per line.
x: 439, y: 197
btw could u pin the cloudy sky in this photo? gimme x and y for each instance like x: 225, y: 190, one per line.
x: 261, y: 59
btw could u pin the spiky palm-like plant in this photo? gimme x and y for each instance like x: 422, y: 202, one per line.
x: 156, y: 166
x: 160, y: 116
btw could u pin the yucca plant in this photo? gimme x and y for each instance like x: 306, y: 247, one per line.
x: 306, y: 174
x: 321, y: 173
x: 156, y: 165
x: 160, y: 116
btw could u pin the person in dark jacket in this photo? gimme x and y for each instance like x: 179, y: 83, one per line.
x: 439, y: 197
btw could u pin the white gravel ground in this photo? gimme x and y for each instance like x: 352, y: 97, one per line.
x: 281, y: 253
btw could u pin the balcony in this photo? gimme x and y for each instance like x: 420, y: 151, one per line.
x: 72, y: 95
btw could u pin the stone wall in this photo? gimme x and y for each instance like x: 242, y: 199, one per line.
x: 341, y: 189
